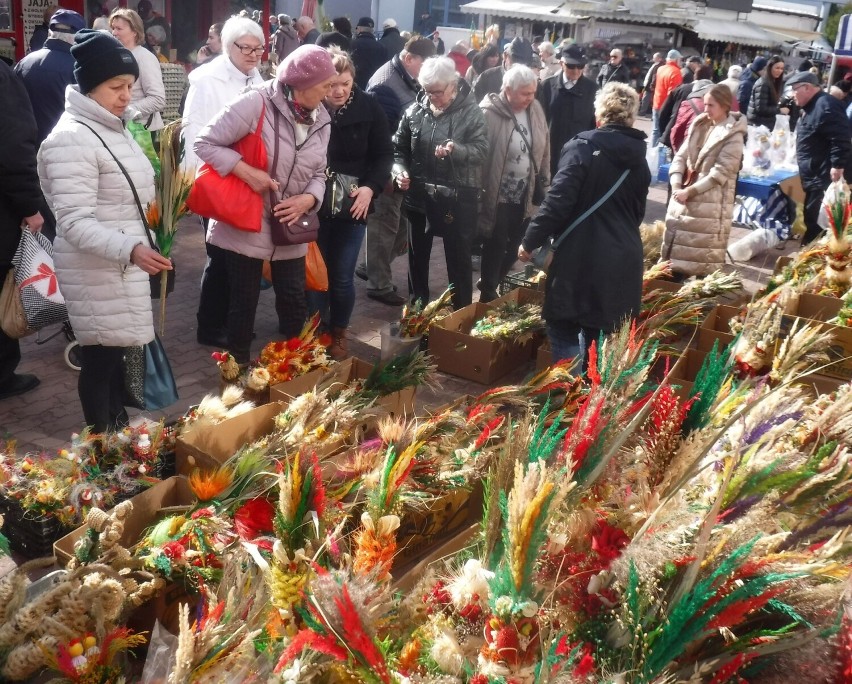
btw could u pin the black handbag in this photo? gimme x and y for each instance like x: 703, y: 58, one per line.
x: 306, y: 228
x: 441, y: 203
x: 337, y: 201
x: 156, y: 278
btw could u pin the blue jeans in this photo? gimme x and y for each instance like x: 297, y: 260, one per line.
x: 568, y: 341
x: 340, y: 243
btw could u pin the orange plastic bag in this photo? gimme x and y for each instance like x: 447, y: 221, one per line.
x: 316, y: 274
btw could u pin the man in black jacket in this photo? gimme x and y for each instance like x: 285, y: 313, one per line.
x: 822, y: 145
x: 368, y: 54
x: 391, y: 39
x: 614, y: 71
x: 20, y: 198
x: 568, y: 100
x: 519, y: 51
x: 747, y: 81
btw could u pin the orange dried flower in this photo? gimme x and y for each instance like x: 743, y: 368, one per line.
x: 209, y: 484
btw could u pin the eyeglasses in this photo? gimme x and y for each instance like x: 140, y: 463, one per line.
x: 438, y: 93
x: 249, y: 50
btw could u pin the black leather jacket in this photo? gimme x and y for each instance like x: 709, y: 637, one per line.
x: 420, y: 131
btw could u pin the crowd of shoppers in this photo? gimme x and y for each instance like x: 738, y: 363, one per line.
x: 496, y: 150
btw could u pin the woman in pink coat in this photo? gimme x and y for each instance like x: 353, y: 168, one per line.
x: 292, y: 112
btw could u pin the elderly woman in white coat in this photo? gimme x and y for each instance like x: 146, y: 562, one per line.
x: 704, y: 177
x: 149, y: 93
x: 292, y: 186
x: 101, y: 251
x: 211, y: 87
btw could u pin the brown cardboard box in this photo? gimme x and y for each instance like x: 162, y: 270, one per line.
x: 818, y: 308
x: 781, y: 263
x: 172, y: 492
x: 664, y: 285
x: 521, y: 295
x: 212, y: 446
x: 685, y: 370
x: 715, y: 327
x: 472, y: 358
x: 406, y: 577
x: 285, y: 392
x: 543, y: 356
x: 423, y: 529
x: 818, y: 384
x: 839, y: 351
x: 397, y: 404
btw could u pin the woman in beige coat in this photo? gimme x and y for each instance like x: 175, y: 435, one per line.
x: 703, y: 178
x: 518, y: 146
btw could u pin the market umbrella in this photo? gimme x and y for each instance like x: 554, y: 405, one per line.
x: 309, y: 9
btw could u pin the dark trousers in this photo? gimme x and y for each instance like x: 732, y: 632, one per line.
x: 339, y: 242
x: 243, y: 278
x: 569, y: 340
x: 212, y: 313
x: 813, y: 206
x: 500, y: 250
x: 101, y: 387
x: 457, y: 251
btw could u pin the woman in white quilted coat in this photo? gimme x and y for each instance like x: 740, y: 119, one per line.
x: 703, y: 176
x: 102, y: 255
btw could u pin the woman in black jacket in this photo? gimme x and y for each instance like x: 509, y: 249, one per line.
x: 359, y: 147
x: 439, y: 148
x: 595, y: 281
x: 763, y: 105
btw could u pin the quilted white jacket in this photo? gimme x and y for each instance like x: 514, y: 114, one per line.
x: 97, y: 223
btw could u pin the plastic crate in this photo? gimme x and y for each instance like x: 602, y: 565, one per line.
x: 30, y: 535
x: 512, y: 281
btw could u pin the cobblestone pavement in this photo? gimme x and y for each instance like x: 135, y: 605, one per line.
x: 46, y: 417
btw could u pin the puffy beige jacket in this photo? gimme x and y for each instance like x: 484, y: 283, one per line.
x: 98, y: 223
x: 501, y: 123
x: 697, y: 233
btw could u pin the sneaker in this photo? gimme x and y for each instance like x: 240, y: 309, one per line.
x: 361, y: 271
x: 18, y: 384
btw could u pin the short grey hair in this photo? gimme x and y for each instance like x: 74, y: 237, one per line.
x: 546, y: 46
x: 616, y: 103
x: 284, y: 19
x: 735, y: 71
x: 519, y: 76
x: 439, y: 71
x: 157, y: 31
x: 237, y: 27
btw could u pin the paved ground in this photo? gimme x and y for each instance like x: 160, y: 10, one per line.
x: 45, y: 417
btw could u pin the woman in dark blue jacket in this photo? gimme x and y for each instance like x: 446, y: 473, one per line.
x: 595, y: 281
x: 359, y: 147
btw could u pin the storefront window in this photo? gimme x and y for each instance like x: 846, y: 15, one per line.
x: 6, y: 15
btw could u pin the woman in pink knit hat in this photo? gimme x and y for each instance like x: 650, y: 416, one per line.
x: 295, y: 131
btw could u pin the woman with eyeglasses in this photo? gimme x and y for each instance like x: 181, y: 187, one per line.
x: 149, y: 94
x: 295, y: 131
x: 439, y: 149
x: 211, y: 87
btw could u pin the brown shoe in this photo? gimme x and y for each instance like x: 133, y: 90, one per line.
x: 338, y: 349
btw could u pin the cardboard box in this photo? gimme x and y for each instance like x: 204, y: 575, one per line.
x: 146, y: 506
x: 406, y: 577
x: 781, y: 263
x: 543, y: 356
x: 472, y: 358
x: 209, y: 447
x: 685, y: 370
x: 716, y: 327
x: 397, y: 404
x: 817, y: 307
x: 664, y: 285
x: 420, y: 531
x: 521, y: 295
x: 285, y: 392
x: 818, y: 384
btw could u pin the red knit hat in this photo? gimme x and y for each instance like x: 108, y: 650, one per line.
x: 305, y: 67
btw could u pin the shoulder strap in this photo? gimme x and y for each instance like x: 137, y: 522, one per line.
x: 591, y: 210
x: 526, y: 142
x: 694, y: 106
x: 130, y: 183
x: 275, y: 146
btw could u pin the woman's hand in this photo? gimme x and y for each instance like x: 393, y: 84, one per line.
x: 445, y: 149
x: 361, y: 206
x: 289, y: 210
x: 34, y: 222
x: 149, y: 260
x: 403, y: 180
x: 257, y: 179
x: 681, y: 195
x: 524, y: 255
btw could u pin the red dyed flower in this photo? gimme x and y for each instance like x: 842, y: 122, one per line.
x: 254, y: 518
x: 174, y: 550
x: 608, y: 541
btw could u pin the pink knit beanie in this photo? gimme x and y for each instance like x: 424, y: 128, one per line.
x: 305, y: 67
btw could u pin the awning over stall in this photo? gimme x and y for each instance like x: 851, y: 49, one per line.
x: 517, y: 9
x: 742, y: 32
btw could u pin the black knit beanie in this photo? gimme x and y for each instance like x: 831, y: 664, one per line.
x: 99, y: 57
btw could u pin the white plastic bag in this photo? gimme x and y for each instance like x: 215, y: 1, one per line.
x: 756, y: 242
x: 161, y: 656
x: 652, y: 156
x: 831, y: 196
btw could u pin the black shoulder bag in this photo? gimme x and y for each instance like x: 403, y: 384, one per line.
x: 155, y: 279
